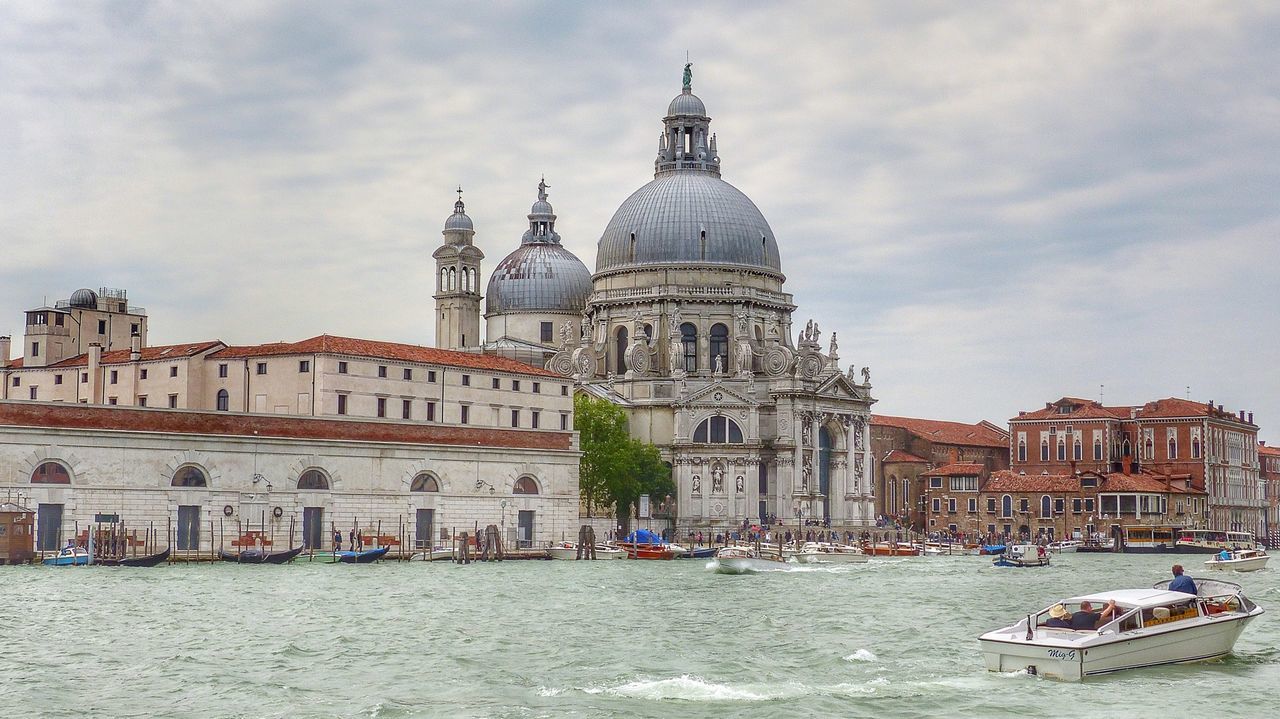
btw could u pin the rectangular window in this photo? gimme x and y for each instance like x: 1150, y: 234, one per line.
x: 1088, y: 504
x: 935, y: 483
x: 102, y: 327
x: 173, y: 371
x: 173, y: 401
x: 304, y: 366
x: 58, y: 320
x: 142, y: 374
x: 564, y: 422
x: 84, y: 377
x: 431, y: 376
x: 1024, y: 505
x: 406, y: 409
x: 991, y: 505
x: 57, y: 379
x: 1058, y: 505
x: 466, y: 380
x: 533, y: 418
x: 431, y: 411
x: 408, y: 373
x: 17, y: 381
x: 466, y: 414
x: 973, y: 505
x: 546, y: 332
x: 564, y: 390
x: 382, y: 406
x: 1076, y: 504
x: 112, y: 400
x: 115, y: 376
x: 33, y: 391
x: 35, y: 348
x: 342, y: 404
x: 262, y: 368
x: 951, y: 506
x: 497, y: 383
x: 142, y: 400
x: 537, y: 388
x: 222, y: 370
x: 342, y: 368
x: 937, y: 505
x: 515, y: 385
x: 382, y: 370
x: 133, y: 328
x: 515, y: 418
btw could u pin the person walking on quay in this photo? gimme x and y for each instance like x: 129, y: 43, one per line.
x: 337, y: 541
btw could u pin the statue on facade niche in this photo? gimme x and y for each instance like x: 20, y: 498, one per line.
x: 744, y: 357
x: 739, y: 481
x: 717, y: 480
x: 566, y: 333
x: 675, y: 318
x: 718, y: 367
x: 586, y: 329
x: 806, y: 473
x: 673, y: 355
x: 805, y: 437
x: 742, y: 322
x: 697, y: 484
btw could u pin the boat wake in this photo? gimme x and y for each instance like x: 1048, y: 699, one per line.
x: 862, y: 655
x: 692, y: 688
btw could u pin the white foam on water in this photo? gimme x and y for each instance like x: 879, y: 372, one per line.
x: 862, y: 655
x: 696, y: 689
x: 549, y: 692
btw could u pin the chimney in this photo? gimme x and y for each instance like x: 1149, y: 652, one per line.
x: 95, y: 363
x: 135, y: 347
x: 1251, y: 418
x: 4, y: 351
x: 1241, y: 415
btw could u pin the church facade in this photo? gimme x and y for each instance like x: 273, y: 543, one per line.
x: 687, y: 325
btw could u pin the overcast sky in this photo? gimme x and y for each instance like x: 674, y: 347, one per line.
x: 995, y: 205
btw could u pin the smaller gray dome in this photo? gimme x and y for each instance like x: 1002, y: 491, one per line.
x: 459, y: 220
x: 541, y: 207
x: 541, y: 276
x: 84, y: 298
x: 687, y: 103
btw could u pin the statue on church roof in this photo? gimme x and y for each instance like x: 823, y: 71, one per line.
x: 688, y: 76
x: 542, y: 189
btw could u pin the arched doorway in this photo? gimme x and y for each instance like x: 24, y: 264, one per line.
x: 824, y: 470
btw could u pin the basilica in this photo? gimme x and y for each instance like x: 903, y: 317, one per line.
x: 685, y: 324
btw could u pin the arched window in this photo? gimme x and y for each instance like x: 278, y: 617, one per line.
x: 1173, y: 448
x: 444, y: 279
x: 689, y: 346
x: 51, y: 473
x: 893, y: 493
x: 1077, y: 451
x: 224, y: 401
x: 525, y: 485
x: 1195, y: 448
x: 425, y: 482
x: 1062, y: 450
x: 719, y: 346
x: 620, y: 362
x: 453, y: 278
x: 190, y: 476
x: 906, y: 493
x: 313, y: 479
x: 718, y: 430
x: 1097, y: 449
x: 1044, y: 451
x: 1046, y: 506
x: 1127, y: 449
x: 1006, y: 506
x: 1022, y: 451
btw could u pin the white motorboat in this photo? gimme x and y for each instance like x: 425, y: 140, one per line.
x: 824, y: 553
x: 1064, y: 546
x: 1022, y: 555
x: 604, y: 551
x: 1151, y: 627
x: 569, y: 551
x: 677, y: 550
x: 1243, y: 560
x: 435, y: 554
x: 745, y: 560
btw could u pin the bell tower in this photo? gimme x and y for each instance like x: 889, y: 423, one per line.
x: 458, y: 283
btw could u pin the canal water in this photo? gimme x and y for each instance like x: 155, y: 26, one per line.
x: 890, y: 638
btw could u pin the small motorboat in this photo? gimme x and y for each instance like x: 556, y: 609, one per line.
x: 149, y: 560
x: 257, y: 556
x: 364, y: 556
x: 991, y: 549
x: 68, y: 557
x: 891, y: 549
x: 1023, y: 555
x: 643, y: 544
x: 563, y: 550
x: 606, y: 551
x: 1241, y: 560
x: 701, y: 553
x: 748, y: 560
x: 435, y: 554
x: 1065, y: 546
x: 1150, y: 627
x: 824, y: 553
x: 678, y: 551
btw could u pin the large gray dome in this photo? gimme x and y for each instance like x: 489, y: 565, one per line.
x: 668, y: 217
x: 539, y: 276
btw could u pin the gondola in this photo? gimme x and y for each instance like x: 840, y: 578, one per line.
x: 255, y: 556
x: 364, y: 556
x: 149, y: 560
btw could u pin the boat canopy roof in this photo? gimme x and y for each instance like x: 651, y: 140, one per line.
x: 1132, y: 597
x: 644, y: 536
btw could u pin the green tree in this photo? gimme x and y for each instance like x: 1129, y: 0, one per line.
x: 615, y: 469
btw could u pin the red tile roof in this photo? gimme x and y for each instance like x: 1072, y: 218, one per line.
x: 169, y: 421
x: 1271, y: 451
x: 973, y: 435
x: 15, y: 364
x: 1117, y: 482
x: 149, y: 354
x: 1008, y: 481
x: 1082, y: 409
x: 1171, y: 407
x: 331, y: 344
x: 957, y: 469
x: 898, y: 455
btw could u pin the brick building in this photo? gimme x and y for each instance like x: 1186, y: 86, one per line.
x: 1202, y: 444
x: 1269, y: 475
x: 904, y: 447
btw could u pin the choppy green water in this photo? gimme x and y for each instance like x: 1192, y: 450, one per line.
x: 894, y: 637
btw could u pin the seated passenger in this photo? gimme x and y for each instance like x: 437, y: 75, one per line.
x: 1182, y: 583
x: 1059, y: 617
x: 1224, y: 555
x: 1086, y: 618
